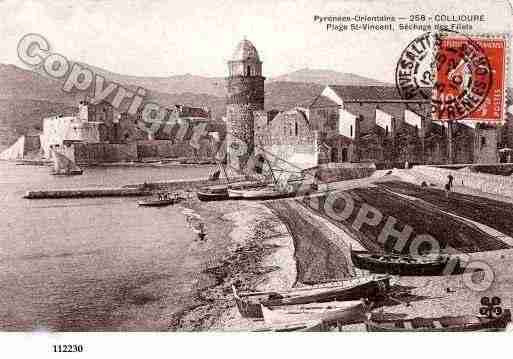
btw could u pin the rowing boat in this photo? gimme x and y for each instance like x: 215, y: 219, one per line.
x: 159, y: 202
x: 407, y: 265
x: 258, y: 193
x: 312, y: 326
x: 213, y: 193
x: 221, y: 192
x: 368, y: 287
x: 348, y: 312
x: 462, y: 323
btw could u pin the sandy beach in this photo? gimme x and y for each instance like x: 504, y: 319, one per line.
x: 280, y: 244
x: 246, y: 246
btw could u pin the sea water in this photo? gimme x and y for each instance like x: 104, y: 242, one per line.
x: 91, y: 263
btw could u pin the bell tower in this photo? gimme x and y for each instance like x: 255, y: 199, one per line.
x: 245, y: 85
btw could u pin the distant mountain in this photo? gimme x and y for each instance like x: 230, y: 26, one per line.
x: 17, y: 83
x: 20, y: 84
x: 280, y: 95
x: 215, y: 86
x: 328, y: 77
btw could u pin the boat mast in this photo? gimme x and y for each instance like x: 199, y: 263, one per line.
x: 220, y: 164
x: 270, y: 168
x: 225, y: 174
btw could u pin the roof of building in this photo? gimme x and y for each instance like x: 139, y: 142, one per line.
x: 293, y: 114
x: 245, y: 50
x: 323, y: 101
x: 355, y: 93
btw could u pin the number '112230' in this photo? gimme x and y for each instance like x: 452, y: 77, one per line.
x: 68, y: 348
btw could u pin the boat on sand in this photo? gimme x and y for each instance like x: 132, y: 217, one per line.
x: 407, y: 265
x: 367, y: 287
x: 259, y: 193
x: 342, y: 312
x: 313, y: 326
x: 221, y: 192
x: 462, y: 323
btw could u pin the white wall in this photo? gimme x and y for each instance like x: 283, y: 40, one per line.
x: 412, y: 119
x: 58, y: 129
x: 346, y: 124
x: 384, y: 120
x: 332, y: 95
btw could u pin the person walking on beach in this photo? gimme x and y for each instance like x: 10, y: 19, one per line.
x: 201, y: 232
x: 448, y: 185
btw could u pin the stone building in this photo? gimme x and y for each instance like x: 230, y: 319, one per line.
x: 373, y: 123
x: 59, y: 129
x: 245, y: 87
x: 369, y: 124
x: 286, y: 140
x: 180, y: 119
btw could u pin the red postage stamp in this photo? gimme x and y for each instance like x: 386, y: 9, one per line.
x: 470, y: 81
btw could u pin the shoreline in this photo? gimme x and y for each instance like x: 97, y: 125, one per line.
x: 249, y: 248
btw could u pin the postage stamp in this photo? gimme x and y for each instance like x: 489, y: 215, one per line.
x: 463, y: 75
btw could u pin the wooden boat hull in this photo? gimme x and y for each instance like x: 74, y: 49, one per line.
x: 366, y: 288
x: 221, y: 192
x: 212, y: 196
x: 373, y: 263
x: 442, y: 324
x: 158, y: 203
x: 314, y: 326
x: 343, y: 313
x: 258, y: 194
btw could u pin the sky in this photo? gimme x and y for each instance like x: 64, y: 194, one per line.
x: 165, y: 38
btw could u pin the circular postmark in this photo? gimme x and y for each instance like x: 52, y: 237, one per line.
x: 446, y: 68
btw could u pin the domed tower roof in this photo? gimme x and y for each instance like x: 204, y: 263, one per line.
x: 245, y: 51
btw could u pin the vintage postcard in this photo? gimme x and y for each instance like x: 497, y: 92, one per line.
x: 255, y: 166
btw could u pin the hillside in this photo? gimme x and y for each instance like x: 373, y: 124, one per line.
x: 281, y: 95
x: 187, y: 83
x: 328, y: 77
x: 17, y: 83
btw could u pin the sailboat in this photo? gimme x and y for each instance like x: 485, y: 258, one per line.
x: 63, y: 166
x: 222, y: 192
x: 280, y: 188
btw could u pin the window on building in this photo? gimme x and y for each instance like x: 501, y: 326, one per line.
x: 351, y: 131
x: 248, y: 71
x: 483, y: 141
x: 296, y: 129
